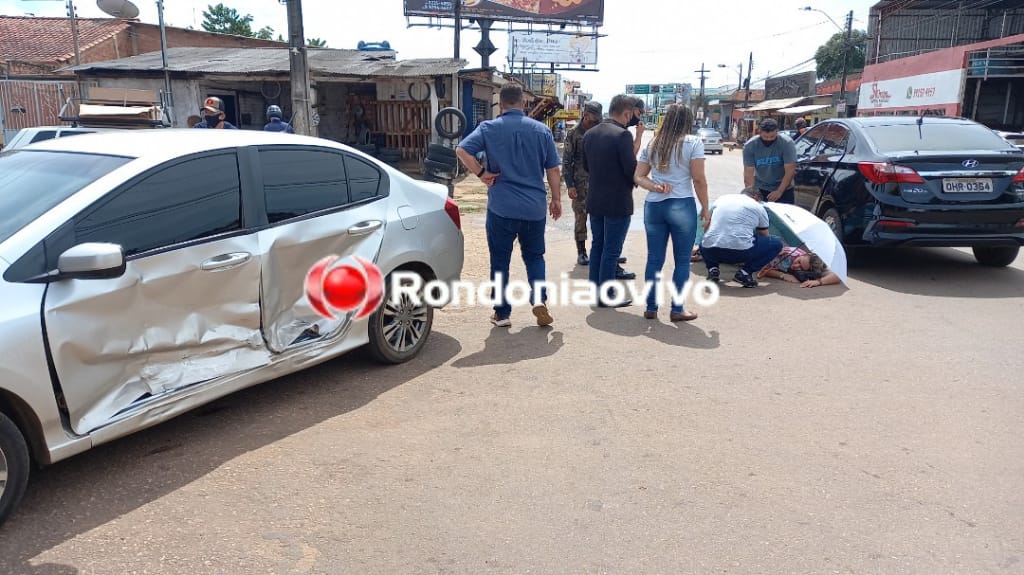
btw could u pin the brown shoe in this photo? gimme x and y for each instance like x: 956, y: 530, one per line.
x: 650, y: 315
x: 684, y: 316
x: 543, y: 315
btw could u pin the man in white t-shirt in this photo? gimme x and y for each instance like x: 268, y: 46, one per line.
x: 739, y: 235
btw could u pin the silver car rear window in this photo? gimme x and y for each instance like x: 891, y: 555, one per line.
x: 33, y: 182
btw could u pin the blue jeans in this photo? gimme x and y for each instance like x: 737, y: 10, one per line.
x: 501, y: 235
x: 764, y: 250
x: 674, y: 218
x: 609, y: 233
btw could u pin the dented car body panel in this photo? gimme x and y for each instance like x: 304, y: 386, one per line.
x: 211, y: 297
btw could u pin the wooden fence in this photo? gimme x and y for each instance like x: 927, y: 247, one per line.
x: 404, y: 125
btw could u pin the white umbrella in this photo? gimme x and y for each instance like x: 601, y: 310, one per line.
x: 795, y: 223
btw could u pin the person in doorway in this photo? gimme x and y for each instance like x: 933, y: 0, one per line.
x: 738, y: 234
x: 769, y: 163
x: 520, y: 153
x: 671, y: 169
x: 213, y: 115
x: 576, y: 178
x: 609, y: 157
x: 276, y: 122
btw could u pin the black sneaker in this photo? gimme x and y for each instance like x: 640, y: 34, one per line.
x: 621, y: 274
x: 714, y: 275
x: 745, y: 279
x: 583, y: 260
x: 622, y: 259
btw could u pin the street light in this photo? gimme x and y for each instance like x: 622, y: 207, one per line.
x: 813, y: 9
x: 845, y: 36
x: 739, y: 67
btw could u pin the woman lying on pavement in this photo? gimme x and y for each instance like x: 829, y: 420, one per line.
x: 797, y: 265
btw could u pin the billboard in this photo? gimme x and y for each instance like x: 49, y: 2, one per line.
x: 586, y: 12
x: 793, y: 86
x: 553, y: 48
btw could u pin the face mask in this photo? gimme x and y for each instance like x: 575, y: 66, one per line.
x: 768, y: 142
x: 212, y: 121
x: 632, y: 122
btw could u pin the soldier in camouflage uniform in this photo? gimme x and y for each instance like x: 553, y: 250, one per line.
x: 576, y: 178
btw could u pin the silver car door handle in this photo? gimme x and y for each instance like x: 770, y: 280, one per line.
x: 365, y: 227
x: 225, y: 261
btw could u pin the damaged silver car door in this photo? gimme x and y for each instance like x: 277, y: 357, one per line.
x: 319, y: 202
x: 186, y: 308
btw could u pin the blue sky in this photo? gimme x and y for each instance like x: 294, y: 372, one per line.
x: 648, y: 41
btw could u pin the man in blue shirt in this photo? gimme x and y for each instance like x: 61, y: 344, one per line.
x: 213, y: 115
x: 520, y: 152
x: 769, y: 163
x: 276, y: 124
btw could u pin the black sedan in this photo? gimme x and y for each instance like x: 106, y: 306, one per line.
x: 906, y: 180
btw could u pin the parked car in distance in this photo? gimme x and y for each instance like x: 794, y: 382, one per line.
x: 1015, y: 138
x: 905, y: 180
x: 712, y: 140
x: 145, y: 273
x: 27, y: 136
x: 791, y: 134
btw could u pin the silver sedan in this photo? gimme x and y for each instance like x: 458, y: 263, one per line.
x: 145, y: 273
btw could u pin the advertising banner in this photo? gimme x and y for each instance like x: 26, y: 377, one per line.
x: 553, y: 48
x: 588, y: 12
x: 934, y: 89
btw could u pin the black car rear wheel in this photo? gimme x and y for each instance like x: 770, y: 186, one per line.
x: 830, y: 215
x: 997, y: 256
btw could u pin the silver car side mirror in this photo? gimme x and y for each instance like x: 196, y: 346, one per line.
x: 92, y: 261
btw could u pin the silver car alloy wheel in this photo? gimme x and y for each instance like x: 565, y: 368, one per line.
x: 403, y: 323
x: 3, y: 473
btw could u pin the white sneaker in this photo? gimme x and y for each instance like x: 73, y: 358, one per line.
x: 505, y: 322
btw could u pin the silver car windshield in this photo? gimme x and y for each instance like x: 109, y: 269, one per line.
x: 33, y: 182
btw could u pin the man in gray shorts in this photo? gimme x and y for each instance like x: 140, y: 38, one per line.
x: 769, y: 162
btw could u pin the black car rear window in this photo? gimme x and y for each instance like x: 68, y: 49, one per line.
x: 33, y: 182
x: 934, y: 137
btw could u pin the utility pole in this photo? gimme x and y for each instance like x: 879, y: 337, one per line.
x: 703, y: 104
x: 746, y: 98
x: 846, y: 50
x: 457, y: 8
x: 299, y: 68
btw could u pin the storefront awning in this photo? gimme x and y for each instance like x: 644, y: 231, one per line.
x: 770, y: 105
x: 797, y: 110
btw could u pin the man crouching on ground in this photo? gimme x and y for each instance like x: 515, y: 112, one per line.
x: 520, y: 153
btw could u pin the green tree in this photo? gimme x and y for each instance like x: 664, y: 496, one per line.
x: 829, y: 57
x: 265, y: 33
x: 316, y: 43
x: 224, y: 20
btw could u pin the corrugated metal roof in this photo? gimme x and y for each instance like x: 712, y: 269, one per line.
x: 777, y: 104
x: 322, y: 62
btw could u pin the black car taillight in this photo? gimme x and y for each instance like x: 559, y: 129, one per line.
x: 885, y: 173
x: 452, y: 209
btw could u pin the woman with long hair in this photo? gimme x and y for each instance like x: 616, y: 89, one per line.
x: 671, y: 169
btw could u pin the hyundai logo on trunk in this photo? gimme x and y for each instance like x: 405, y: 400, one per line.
x: 970, y: 163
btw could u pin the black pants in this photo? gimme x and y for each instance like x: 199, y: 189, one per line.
x: 788, y: 197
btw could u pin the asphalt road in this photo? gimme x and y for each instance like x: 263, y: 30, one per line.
x: 874, y: 429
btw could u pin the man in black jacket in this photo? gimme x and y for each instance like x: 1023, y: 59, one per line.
x: 609, y: 156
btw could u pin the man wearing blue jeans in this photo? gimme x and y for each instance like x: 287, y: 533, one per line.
x: 520, y: 152
x: 609, y: 156
x: 739, y: 235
